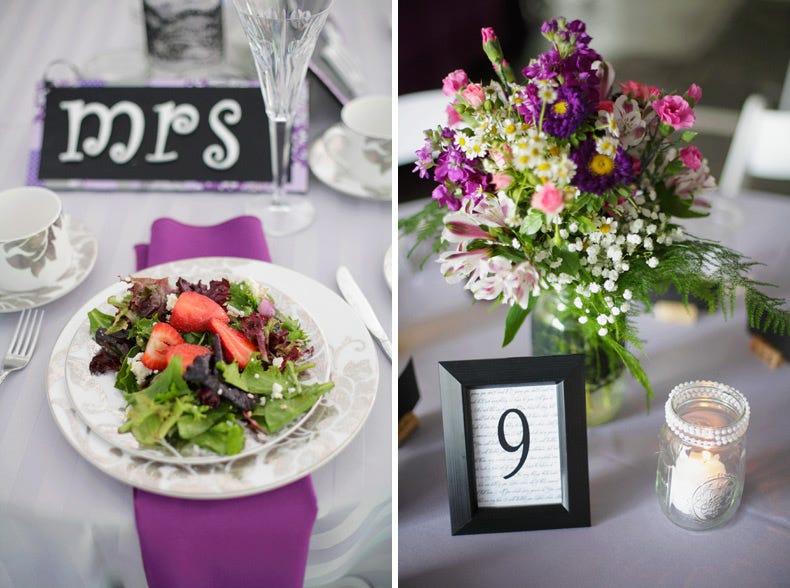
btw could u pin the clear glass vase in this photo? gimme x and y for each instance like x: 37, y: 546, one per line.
x: 556, y: 331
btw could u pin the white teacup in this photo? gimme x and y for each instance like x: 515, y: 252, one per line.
x: 34, y: 248
x: 362, y: 144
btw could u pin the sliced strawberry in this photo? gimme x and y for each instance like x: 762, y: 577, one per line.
x: 187, y: 352
x: 162, y: 337
x: 234, y: 344
x: 193, y: 311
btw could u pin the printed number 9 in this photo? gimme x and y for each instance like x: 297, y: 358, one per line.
x: 523, y: 444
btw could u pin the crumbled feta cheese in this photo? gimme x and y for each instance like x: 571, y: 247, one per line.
x: 234, y: 312
x: 139, y: 370
x: 171, y: 300
x: 277, y: 362
x: 277, y: 390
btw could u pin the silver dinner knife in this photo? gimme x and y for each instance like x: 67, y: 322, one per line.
x: 354, y: 296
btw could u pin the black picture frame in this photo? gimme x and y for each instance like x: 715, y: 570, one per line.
x: 459, y: 380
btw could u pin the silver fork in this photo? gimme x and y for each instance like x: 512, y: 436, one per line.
x: 23, y: 342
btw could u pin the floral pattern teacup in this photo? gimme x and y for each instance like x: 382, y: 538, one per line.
x: 34, y: 247
x: 362, y: 143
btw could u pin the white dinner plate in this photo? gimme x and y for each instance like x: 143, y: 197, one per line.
x: 102, y: 406
x: 333, y: 175
x: 82, y: 261
x: 334, y: 423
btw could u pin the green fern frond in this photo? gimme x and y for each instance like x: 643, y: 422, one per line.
x: 425, y: 225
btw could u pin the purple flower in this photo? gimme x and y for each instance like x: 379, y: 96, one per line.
x: 424, y: 158
x: 567, y: 113
x: 598, y: 173
x: 444, y: 198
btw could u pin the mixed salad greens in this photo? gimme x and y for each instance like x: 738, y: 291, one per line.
x: 197, y: 363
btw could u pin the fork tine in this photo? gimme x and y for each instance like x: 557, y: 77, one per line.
x: 28, y: 334
x: 14, y: 338
x: 36, y: 323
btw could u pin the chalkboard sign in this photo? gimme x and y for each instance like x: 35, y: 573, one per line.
x: 515, y: 441
x: 164, y: 137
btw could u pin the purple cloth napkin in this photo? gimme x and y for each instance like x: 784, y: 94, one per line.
x: 258, y: 540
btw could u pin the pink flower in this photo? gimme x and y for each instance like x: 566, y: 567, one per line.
x: 454, y: 81
x: 675, y: 111
x: 453, y: 118
x: 694, y: 92
x: 641, y: 92
x: 501, y: 180
x: 488, y: 34
x: 548, y: 199
x: 691, y: 157
x: 474, y: 95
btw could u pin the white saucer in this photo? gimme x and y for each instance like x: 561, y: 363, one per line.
x: 329, y: 172
x: 82, y: 262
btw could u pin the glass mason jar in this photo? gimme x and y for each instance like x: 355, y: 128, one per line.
x: 702, y: 450
x: 556, y: 331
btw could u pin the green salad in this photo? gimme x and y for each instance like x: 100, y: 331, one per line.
x: 197, y: 363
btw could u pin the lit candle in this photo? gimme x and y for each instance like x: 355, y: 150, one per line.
x: 693, y: 485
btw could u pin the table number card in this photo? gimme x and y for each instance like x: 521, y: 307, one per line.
x: 515, y: 435
x: 164, y: 137
x: 518, y: 454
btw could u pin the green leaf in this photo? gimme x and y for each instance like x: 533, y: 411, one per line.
x: 99, y: 320
x: 169, y: 383
x: 242, y: 298
x: 278, y: 413
x: 255, y: 378
x: 633, y: 365
x: 570, y: 261
x: 225, y: 438
x: 665, y: 129
x: 688, y: 136
x: 141, y: 330
x: 515, y: 318
x: 532, y: 222
x: 674, y: 167
x: 125, y: 380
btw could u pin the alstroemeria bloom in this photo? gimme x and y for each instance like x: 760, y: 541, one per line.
x: 474, y: 95
x: 691, y: 157
x: 521, y: 283
x: 454, y: 81
x: 628, y: 118
x: 459, y: 227
x: 548, y: 198
x: 692, y: 183
x: 462, y: 264
x: 490, y: 282
x: 497, y: 212
x: 675, y: 111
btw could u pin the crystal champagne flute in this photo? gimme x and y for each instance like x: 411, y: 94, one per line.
x: 282, y: 35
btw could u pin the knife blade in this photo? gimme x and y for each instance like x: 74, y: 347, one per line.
x: 356, y: 298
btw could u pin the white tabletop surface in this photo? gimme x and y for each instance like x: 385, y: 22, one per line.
x: 62, y: 521
x: 630, y: 543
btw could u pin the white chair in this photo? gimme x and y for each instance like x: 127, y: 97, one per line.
x: 760, y: 147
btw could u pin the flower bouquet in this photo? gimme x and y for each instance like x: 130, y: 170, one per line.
x: 567, y: 186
